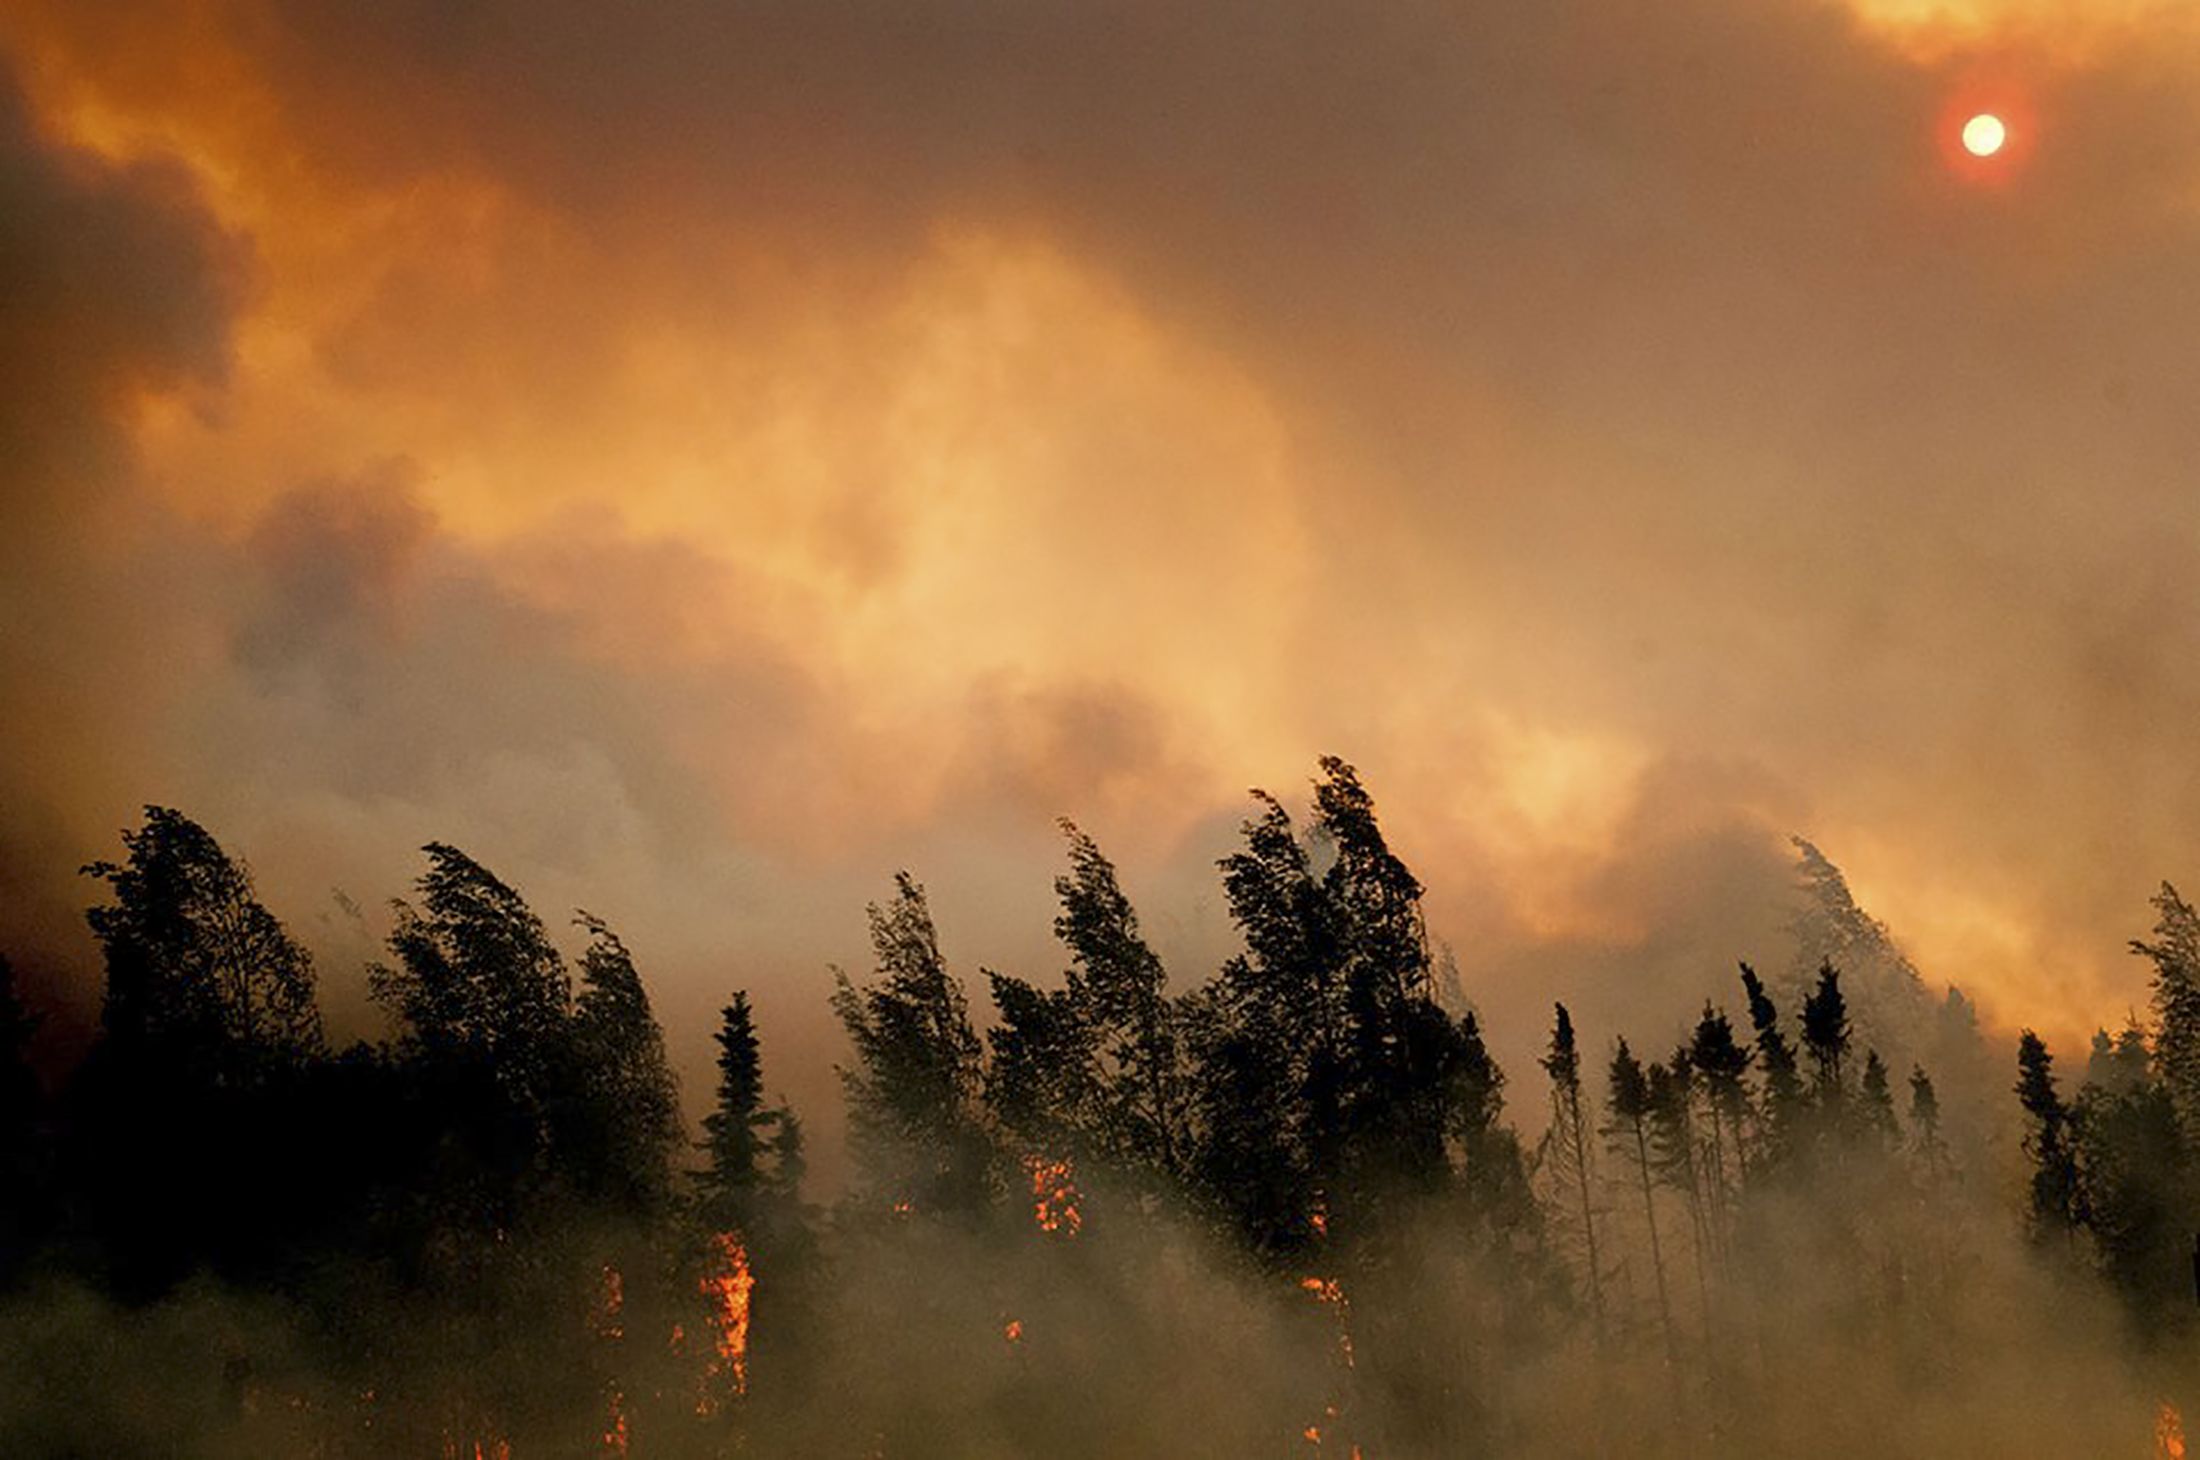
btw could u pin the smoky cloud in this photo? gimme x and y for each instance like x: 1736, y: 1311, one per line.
x: 704, y: 457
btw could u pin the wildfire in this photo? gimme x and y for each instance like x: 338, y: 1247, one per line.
x: 611, y: 1305
x: 726, y: 1285
x: 2169, y: 1433
x: 1054, y: 1196
x: 614, y: 1433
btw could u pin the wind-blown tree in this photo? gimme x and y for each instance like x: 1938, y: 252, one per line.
x: 1399, y: 1039
x: 1044, y: 1083
x: 2175, y: 954
x: 2055, y: 1208
x: 624, y: 1123
x: 912, y: 1091
x: 1122, y: 989
x: 1268, y: 1045
x: 2134, y: 1174
x: 1569, y: 1164
x: 476, y: 978
x: 195, y: 1088
x: 200, y: 976
x: 1783, y: 1085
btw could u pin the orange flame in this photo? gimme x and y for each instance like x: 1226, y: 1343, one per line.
x: 614, y: 1433
x: 2169, y: 1433
x: 726, y: 1285
x: 1013, y: 1331
x: 1054, y: 1196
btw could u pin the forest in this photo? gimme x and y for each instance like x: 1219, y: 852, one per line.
x: 1292, y: 1208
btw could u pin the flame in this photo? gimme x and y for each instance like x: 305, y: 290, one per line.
x: 726, y: 1285
x: 611, y: 1305
x: 614, y: 1433
x: 2169, y: 1433
x: 1054, y: 1196
x: 1013, y: 1331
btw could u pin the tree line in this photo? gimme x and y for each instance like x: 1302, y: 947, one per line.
x: 493, y: 1232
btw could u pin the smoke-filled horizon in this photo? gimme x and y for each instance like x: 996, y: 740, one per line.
x: 703, y: 459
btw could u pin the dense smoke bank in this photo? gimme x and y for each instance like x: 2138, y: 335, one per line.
x: 1294, y: 1209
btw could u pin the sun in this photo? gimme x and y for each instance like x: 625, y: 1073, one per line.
x: 1984, y: 135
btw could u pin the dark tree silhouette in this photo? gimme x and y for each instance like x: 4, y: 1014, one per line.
x: 1119, y: 983
x: 1783, y: 1093
x: 1567, y: 1156
x: 913, y: 1088
x: 2055, y: 1209
x: 199, y: 974
x: 625, y: 1125
x: 1628, y: 1131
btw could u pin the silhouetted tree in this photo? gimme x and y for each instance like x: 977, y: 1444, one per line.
x: 2054, y: 1206
x: 1628, y: 1131
x: 2175, y: 954
x: 624, y: 1126
x: 1722, y: 1064
x: 1875, y: 1100
x: 1121, y: 989
x: 1567, y: 1158
x: 1826, y: 1033
x: 1783, y: 1092
x: 912, y: 1091
x: 476, y: 978
x: 200, y: 976
x: 1932, y: 1150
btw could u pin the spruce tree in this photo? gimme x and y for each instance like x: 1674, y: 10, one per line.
x: 1567, y: 1157
x: 1826, y: 1034
x: 2055, y: 1206
x: 1783, y: 1086
x: 1629, y: 1132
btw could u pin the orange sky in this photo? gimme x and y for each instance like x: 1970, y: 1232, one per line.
x: 701, y: 457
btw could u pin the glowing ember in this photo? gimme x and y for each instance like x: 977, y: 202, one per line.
x: 611, y: 1305
x: 1054, y: 1196
x: 614, y: 1433
x: 2169, y: 1433
x: 1013, y: 1331
x: 726, y: 1285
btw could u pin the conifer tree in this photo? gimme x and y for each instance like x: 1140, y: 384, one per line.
x: 1932, y: 1148
x: 1875, y: 1099
x: 1783, y: 1092
x: 1826, y: 1033
x: 1567, y: 1157
x: 1722, y: 1065
x: 1628, y: 1131
x: 2055, y: 1206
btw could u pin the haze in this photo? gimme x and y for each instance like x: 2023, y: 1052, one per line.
x: 702, y: 458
